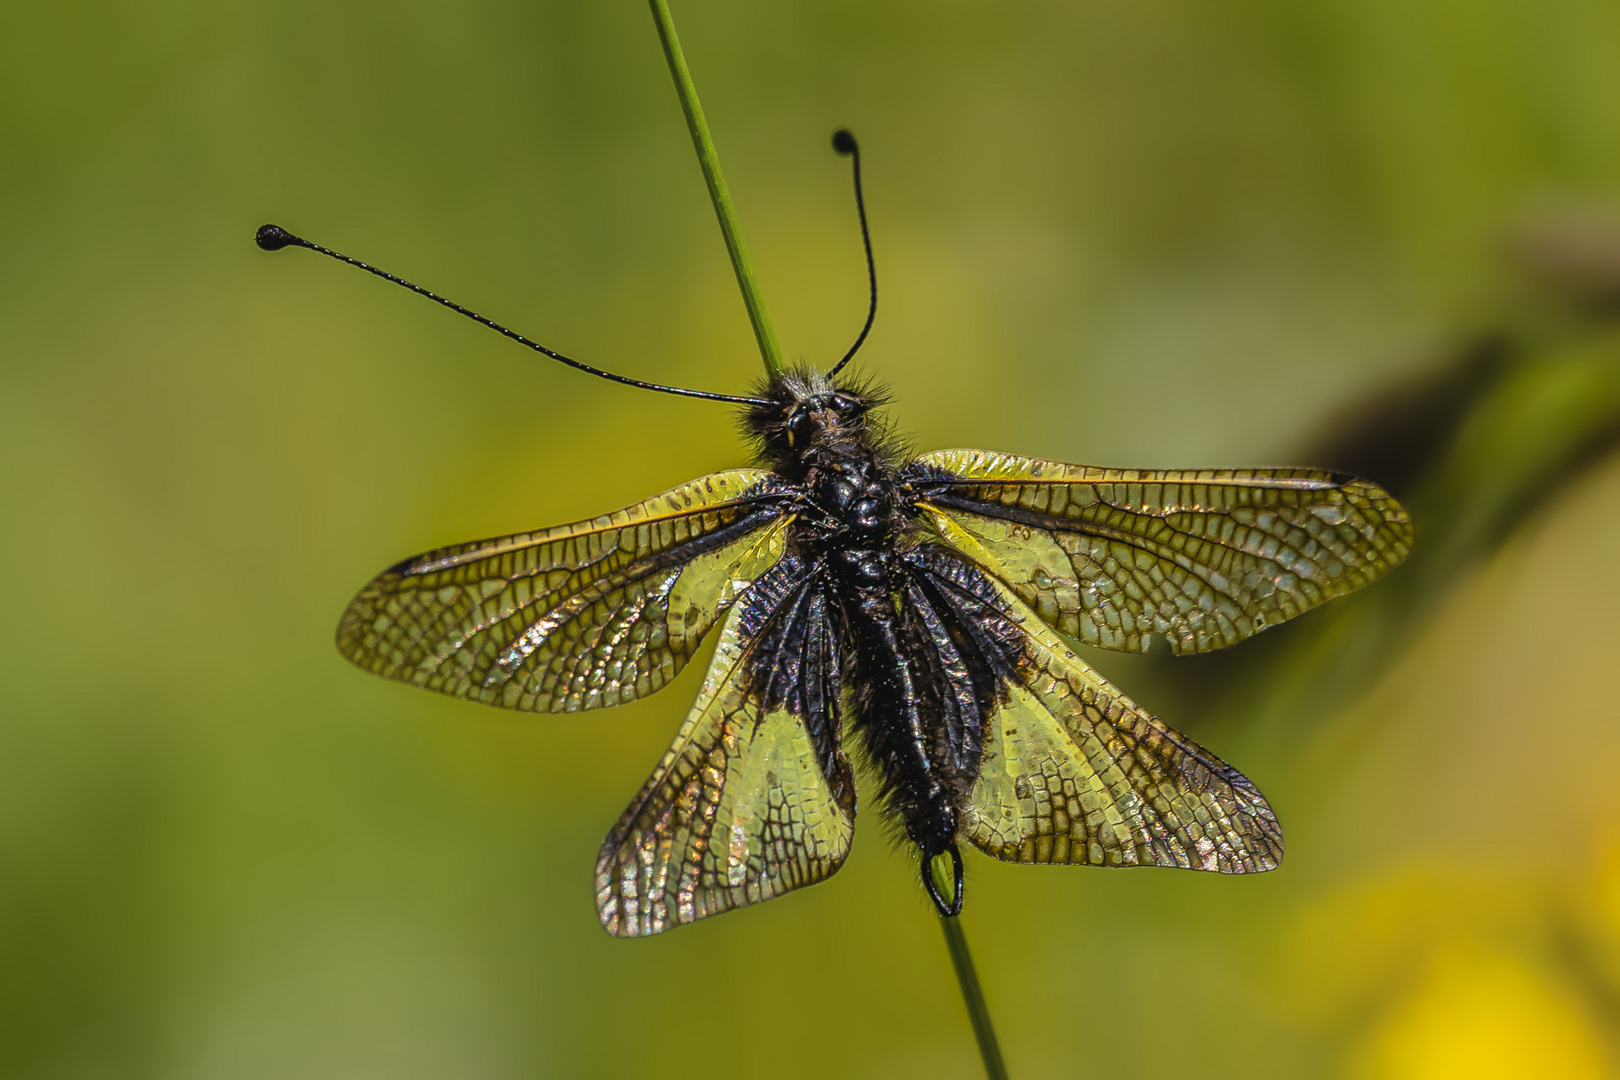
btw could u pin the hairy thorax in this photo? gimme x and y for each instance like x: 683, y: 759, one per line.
x: 822, y: 438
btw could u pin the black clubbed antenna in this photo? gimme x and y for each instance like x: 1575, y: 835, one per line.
x: 274, y: 238
x: 844, y: 142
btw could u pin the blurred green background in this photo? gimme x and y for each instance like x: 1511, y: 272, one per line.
x: 1376, y: 235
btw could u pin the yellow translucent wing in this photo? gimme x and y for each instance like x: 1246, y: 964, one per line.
x: 1074, y: 772
x: 580, y: 616
x: 740, y: 809
x: 1206, y: 557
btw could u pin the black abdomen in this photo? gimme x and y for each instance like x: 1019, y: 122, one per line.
x: 894, y: 704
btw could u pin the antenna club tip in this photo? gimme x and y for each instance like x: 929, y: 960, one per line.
x: 274, y: 238
x: 844, y: 142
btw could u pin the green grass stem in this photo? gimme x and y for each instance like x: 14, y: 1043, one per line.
x: 967, y: 977
x: 719, y: 194
x: 955, y: 939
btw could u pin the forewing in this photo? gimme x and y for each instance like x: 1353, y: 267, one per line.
x: 580, y: 616
x: 1073, y: 772
x: 1206, y: 558
x: 755, y: 797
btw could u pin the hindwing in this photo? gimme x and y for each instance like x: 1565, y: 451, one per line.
x: 1206, y: 557
x: 755, y: 796
x: 575, y: 617
x: 1071, y: 770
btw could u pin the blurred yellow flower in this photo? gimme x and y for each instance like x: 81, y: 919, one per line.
x: 1480, y: 1015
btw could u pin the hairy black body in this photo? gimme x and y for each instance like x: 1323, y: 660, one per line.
x: 888, y: 609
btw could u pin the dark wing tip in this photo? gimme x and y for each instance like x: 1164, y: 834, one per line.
x: 1391, y: 514
x: 351, y: 630
x: 1258, y: 824
x: 359, y: 619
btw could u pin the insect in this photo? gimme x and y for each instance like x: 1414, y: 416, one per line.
x: 917, y: 607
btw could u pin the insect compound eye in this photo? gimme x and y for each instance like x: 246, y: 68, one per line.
x: 847, y: 406
x: 800, y: 427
